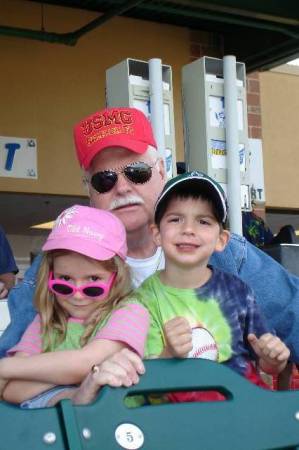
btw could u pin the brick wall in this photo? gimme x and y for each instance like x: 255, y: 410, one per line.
x: 254, y: 106
x: 203, y: 43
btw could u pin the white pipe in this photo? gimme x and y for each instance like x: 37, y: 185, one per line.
x: 156, y: 104
x: 232, y: 141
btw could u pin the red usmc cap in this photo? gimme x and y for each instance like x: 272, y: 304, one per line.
x: 112, y: 127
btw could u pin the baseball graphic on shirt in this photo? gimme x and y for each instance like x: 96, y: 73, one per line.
x: 204, y: 345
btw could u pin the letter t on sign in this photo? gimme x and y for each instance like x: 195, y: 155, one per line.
x: 12, y: 147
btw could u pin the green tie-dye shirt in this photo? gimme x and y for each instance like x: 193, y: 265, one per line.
x: 221, y: 313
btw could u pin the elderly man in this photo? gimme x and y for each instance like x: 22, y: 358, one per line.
x: 124, y: 174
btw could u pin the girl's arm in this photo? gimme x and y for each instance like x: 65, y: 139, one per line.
x: 122, y: 369
x: 62, y: 367
x: 126, y: 327
x: 17, y: 391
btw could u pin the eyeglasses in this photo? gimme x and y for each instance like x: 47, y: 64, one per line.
x: 137, y: 172
x: 96, y: 290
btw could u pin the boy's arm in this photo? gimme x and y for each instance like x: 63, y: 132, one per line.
x: 272, y: 353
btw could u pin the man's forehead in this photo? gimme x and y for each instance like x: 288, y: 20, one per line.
x: 116, y: 156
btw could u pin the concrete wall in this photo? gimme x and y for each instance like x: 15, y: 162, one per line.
x: 46, y: 88
x: 280, y: 132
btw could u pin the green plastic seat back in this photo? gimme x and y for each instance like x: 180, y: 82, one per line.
x: 250, y: 419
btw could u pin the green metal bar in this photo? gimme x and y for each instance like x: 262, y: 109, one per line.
x: 72, y: 37
x: 36, y: 35
x: 269, y: 58
x: 251, y: 14
x: 220, y: 18
x: 117, y: 11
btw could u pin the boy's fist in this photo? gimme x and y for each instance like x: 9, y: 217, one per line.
x: 272, y: 352
x: 178, y: 335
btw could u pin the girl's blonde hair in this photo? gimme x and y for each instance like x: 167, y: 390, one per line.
x: 53, y: 316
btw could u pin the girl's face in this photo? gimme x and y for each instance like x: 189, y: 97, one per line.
x: 78, y: 270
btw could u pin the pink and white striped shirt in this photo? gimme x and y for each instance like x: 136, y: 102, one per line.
x: 128, y: 324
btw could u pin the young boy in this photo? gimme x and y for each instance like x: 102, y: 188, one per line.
x: 197, y: 310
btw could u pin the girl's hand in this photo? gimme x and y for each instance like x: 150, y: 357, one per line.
x: 178, y: 334
x: 3, y: 383
x: 272, y: 352
x: 121, y: 369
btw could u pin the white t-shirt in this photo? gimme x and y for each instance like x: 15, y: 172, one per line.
x: 143, y: 268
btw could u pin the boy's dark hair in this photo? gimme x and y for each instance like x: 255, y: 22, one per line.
x: 185, y: 192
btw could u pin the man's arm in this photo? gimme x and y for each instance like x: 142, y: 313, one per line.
x: 276, y: 290
x: 8, y: 267
x: 21, y: 310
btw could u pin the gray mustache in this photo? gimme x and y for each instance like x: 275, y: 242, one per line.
x: 119, y: 202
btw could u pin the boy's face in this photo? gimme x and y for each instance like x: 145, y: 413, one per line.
x: 189, y: 232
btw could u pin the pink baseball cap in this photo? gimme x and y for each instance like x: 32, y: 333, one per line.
x: 112, y: 127
x: 92, y: 232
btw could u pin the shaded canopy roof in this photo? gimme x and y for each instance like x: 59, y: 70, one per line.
x: 261, y: 33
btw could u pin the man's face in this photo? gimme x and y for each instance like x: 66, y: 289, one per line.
x: 132, y: 203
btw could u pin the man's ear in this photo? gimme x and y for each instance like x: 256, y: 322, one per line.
x: 156, y: 234
x: 222, y: 241
x: 161, y: 169
x: 85, y: 182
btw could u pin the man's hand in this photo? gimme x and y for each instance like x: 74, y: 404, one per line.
x: 121, y: 369
x: 7, y: 281
x: 3, y: 291
x: 178, y: 334
x: 272, y: 352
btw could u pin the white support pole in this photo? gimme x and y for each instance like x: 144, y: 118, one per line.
x: 156, y: 104
x: 232, y: 141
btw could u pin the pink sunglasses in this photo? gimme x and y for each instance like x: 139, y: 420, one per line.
x: 96, y: 290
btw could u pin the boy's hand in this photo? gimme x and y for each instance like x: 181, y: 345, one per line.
x: 272, y: 352
x: 178, y: 334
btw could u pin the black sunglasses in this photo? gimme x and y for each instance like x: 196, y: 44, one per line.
x: 137, y: 173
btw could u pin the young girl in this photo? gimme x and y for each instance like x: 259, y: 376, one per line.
x: 82, y: 316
